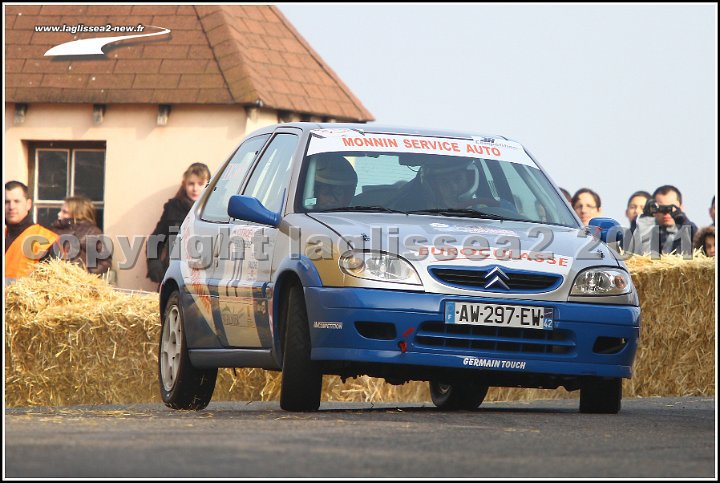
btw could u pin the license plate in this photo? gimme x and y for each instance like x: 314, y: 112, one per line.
x: 497, y: 315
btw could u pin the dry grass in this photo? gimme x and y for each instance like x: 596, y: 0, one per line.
x: 70, y: 338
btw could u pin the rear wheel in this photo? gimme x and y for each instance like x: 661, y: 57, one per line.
x: 301, y: 384
x: 601, y: 396
x: 182, y: 386
x: 466, y: 395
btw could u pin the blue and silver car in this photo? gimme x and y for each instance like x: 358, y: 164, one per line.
x: 396, y: 253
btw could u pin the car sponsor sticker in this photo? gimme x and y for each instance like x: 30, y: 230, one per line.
x: 327, y: 325
x: 354, y: 140
x: 493, y: 363
x: 478, y: 229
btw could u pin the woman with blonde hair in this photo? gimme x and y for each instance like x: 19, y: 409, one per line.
x: 77, y: 222
x: 194, y: 180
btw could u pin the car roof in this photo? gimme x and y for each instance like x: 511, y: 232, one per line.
x: 381, y: 128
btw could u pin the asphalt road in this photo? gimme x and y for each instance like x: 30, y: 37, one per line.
x: 650, y: 438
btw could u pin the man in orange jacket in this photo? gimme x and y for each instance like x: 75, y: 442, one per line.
x: 25, y: 241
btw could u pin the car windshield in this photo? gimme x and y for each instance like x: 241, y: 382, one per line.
x: 480, y: 178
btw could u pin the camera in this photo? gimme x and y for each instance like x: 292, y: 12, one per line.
x: 653, y: 207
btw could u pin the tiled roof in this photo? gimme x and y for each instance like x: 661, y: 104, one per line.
x: 215, y: 54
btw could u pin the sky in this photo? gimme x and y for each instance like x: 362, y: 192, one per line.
x: 613, y: 97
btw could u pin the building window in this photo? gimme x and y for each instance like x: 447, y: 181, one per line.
x: 59, y: 170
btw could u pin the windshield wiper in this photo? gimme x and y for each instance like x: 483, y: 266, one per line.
x: 373, y: 208
x: 464, y: 212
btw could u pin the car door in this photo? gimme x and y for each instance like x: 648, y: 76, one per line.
x: 243, y: 280
x: 208, y: 229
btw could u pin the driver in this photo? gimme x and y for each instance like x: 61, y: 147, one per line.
x: 452, y: 184
x: 335, y: 182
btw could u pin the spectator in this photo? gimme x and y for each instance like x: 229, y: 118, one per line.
x: 711, y: 210
x: 586, y: 204
x: 77, y: 218
x: 19, y: 259
x: 174, y: 212
x: 566, y: 193
x: 705, y: 241
x: 636, y: 204
x: 663, y: 227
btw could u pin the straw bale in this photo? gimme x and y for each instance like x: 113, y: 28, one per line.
x: 73, y: 339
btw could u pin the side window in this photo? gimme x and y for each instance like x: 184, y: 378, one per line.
x: 273, y: 171
x: 230, y: 180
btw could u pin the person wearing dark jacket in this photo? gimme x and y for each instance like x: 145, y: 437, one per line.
x: 174, y: 212
x: 663, y: 227
x: 77, y: 225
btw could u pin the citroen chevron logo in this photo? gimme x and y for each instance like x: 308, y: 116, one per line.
x: 497, y: 276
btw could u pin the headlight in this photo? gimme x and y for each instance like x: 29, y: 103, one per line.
x: 379, y: 266
x: 602, y: 281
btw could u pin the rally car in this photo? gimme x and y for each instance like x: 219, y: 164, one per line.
x: 397, y: 253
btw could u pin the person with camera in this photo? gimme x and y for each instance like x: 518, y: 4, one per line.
x: 663, y: 227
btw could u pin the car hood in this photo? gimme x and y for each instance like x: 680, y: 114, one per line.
x: 430, y: 242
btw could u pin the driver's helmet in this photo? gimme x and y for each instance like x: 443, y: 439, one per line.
x: 333, y: 169
x: 461, y: 176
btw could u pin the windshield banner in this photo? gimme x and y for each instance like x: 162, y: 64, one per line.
x: 340, y: 140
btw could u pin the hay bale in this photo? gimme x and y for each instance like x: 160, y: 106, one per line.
x: 70, y: 338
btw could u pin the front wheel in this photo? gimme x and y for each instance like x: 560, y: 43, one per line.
x: 182, y: 386
x: 466, y: 395
x: 601, y: 396
x: 301, y: 384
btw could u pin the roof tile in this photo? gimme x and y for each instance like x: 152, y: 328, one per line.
x: 63, y: 10
x: 83, y: 96
x: 185, y: 96
x: 18, y: 36
x: 22, y: 9
x: 205, y: 10
x: 28, y: 22
x: 146, y: 66
x: 166, y: 51
x: 45, y: 66
x: 114, y: 81
x: 200, y: 52
x: 196, y: 66
x: 154, y: 9
x: 176, y: 22
x: 214, y: 96
x: 65, y: 80
x: 113, y: 10
x: 185, y: 10
x: 156, y: 81
x: 124, y: 51
x: 129, y: 95
x: 192, y: 37
x: 201, y: 81
x: 213, y: 20
x: 24, y: 94
x: 23, y: 80
x: 85, y: 66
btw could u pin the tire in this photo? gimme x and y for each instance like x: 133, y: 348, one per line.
x: 466, y: 395
x: 601, y: 396
x: 301, y: 384
x: 181, y: 385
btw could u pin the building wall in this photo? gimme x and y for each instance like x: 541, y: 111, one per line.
x: 144, y: 162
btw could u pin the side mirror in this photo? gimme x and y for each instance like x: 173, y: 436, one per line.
x: 606, y: 229
x: 250, y: 209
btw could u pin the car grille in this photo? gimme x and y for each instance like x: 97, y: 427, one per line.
x: 495, y: 339
x: 477, y: 279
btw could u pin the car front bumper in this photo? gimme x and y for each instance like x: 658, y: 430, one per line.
x: 421, y: 338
